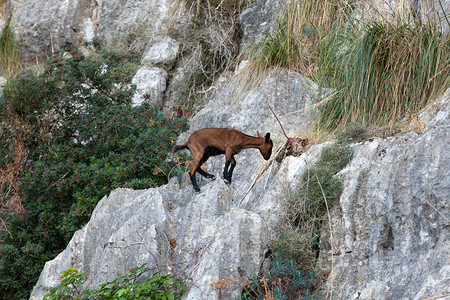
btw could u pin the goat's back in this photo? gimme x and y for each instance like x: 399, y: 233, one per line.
x: 215, y: 137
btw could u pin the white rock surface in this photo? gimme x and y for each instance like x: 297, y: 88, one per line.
x: 44, y: 26
x: 149, y: 80
x: 391, y: 229
x: 163, y: 50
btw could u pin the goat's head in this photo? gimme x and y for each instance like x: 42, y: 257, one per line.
x: 266, y: 147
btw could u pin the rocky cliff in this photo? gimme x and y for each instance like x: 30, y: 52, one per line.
x: 386, y: 238
x: 389, y: 235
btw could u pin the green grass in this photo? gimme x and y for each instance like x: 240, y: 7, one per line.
x: 9, y: 50
x: 378, y: 72
x: 293, y: 42
x: 381, y: 72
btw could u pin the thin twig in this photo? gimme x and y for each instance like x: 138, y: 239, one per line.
x: 445, y: 15
x: 261, y: 171
x: 267, y: 100
x: 6, y: 228
x: 331, y: 235
x: 447, y: 219
x: 52, y: 185
x: 437, y: 297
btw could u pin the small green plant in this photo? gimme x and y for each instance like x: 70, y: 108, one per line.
x: 283, y: 281
x: 281, y: 49
x: 9, y: 49
x: 126, y: 287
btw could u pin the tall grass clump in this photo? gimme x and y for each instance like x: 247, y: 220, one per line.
x: 382, y: 71
x: 9, y: 50
x: 293, y: 42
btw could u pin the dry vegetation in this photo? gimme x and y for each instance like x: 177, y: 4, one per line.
x: 379, y: 69
x: 210, y: 41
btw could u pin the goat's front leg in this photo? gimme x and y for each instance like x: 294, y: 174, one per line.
x: 227, y: 173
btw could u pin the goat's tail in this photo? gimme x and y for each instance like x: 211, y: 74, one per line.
x: 179, y: 147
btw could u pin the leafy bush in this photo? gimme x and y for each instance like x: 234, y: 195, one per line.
x: 83, y: 140
x: 157, y: 287
x: 284, y: 281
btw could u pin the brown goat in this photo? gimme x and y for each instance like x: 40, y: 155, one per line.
x: 208, y: 142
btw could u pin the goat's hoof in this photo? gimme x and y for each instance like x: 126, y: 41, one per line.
x: 197, y: 190
x: 212, y: 177
x: 227, y: 181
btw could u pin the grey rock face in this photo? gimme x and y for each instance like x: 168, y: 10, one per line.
x: 118, y: 17
x: 149, y: 80
x: 391, y: 230
x: 259, y: 19
x: 289, y: 93
x: 43, y: 26
x: 187, y: 68
x: 163, y: 50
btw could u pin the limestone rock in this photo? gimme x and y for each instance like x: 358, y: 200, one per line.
x: 122, y: 16
x: 163, y: 50
x: 391, y: 229
x: 187, y: 68
x: 149, y: 80
x: 259, y: 19
x: 289, y: 94
x: 44, y: 26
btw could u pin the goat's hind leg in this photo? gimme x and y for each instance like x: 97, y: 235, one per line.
x: 203, y: 172
x: 194, y: 169
x: 194, y: 182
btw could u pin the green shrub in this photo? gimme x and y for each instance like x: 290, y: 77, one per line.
x: 298, y: 236
x: 283, y: 281
x: 84, y: 139
x: 157, y: 287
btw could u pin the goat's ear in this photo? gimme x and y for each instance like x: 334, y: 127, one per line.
x: 267, y: 137
x: 259, y: 135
